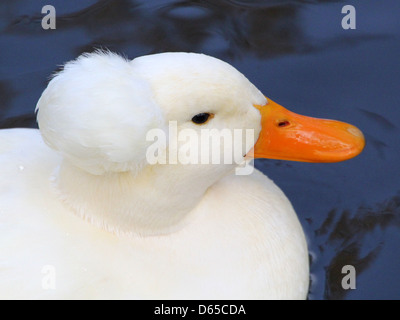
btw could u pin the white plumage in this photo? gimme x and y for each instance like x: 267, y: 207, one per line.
x: 112, y: 226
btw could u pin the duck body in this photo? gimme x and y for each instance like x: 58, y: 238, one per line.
x: 243, y: 240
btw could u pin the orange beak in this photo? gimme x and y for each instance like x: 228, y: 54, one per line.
x: 288, y: 136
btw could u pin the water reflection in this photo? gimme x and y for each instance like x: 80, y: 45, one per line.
x: 6, y: 94
x: 381, y: 120
x: 343, y: 239
x: 22, y: 121
x: 222, y: 28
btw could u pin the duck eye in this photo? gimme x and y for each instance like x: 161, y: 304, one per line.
x: 202, y: 118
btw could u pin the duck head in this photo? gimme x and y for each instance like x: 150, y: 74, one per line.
x: 98, y: 112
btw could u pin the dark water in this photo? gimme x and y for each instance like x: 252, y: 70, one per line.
x: 297, y: 53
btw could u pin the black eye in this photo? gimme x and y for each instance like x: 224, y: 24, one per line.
x: 202, y: 118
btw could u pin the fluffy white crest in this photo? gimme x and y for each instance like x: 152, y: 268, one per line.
x: 97, y: 113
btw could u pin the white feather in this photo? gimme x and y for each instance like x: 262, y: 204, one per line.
x: 151, y: 231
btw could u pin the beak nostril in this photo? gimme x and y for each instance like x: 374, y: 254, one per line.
x: 283, y: 123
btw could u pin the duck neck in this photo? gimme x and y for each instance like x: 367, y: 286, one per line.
x: 156, y: 201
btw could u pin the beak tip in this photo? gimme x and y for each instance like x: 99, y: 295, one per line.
x: 357, y: 133
x: 356, y: 143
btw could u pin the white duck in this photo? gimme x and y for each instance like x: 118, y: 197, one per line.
x: 160, y: 231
